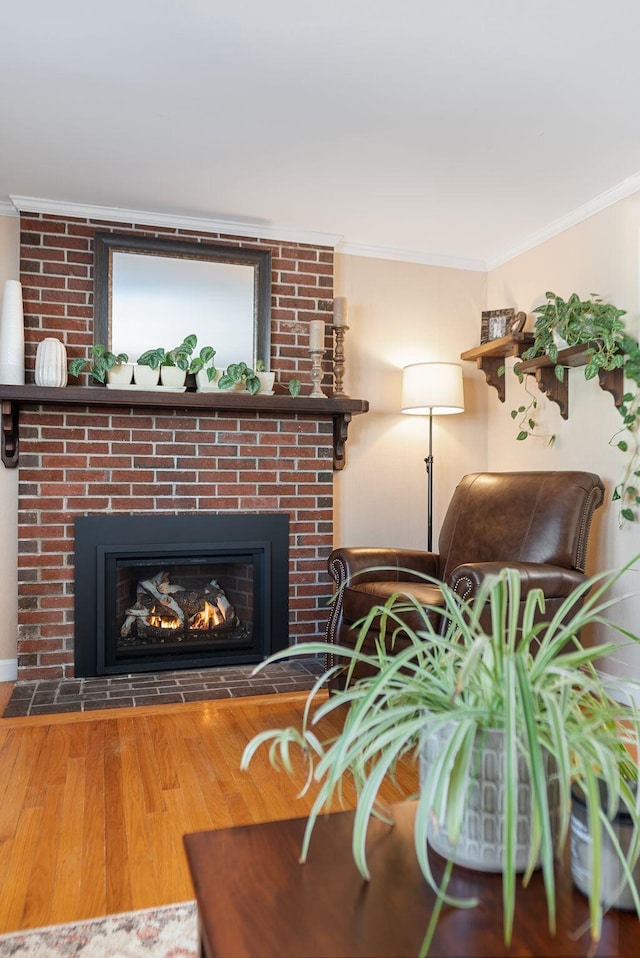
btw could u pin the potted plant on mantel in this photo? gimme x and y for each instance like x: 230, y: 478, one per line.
x: 598, y: 327
x: 103, y: 365
x: 174, y: 364
x: 533, y: 687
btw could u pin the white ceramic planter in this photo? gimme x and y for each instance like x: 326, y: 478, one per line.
x: 204, y: 384
x: 172, y: 376
x: 120, y: 375
x: 481, y: 843
x: 145, y: 376
x: 267, y: 381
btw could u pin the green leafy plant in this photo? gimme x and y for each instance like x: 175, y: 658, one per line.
x: 260, y: 366
x: 598, y: 326
x: 99, y: 363
x: 533, y: 679
x: 294, y: 387
x: 180, y: 356
x: 237, y: 373
x: 590, y: 322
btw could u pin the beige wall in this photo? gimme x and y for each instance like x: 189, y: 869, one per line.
x: 9, y: 269
x: 599, y: 255
x: 401, y: 313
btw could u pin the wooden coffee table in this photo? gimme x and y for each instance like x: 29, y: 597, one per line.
x: 256, y: 900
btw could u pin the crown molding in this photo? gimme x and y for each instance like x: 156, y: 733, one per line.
x: 7, y: 208
x: 411, y: 256
x: 618, y: 192
x: 197, y: 224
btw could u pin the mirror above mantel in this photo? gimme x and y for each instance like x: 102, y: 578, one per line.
x: 153, y: 292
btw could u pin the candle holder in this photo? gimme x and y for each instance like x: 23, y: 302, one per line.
x: 316, y: 373
x: 338, y: 361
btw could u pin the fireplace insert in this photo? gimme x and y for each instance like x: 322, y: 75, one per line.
x: 175, y: 592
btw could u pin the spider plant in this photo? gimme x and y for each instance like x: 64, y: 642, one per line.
x: 528, y: 675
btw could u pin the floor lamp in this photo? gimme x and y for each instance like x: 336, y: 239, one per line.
x: 432, y: 389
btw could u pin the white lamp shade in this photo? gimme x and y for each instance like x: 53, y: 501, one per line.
x: 432, y: 388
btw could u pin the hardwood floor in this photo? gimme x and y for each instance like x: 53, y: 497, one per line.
x: 93, y: 806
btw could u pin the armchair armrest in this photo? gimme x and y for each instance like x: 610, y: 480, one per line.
x: 555, y: 581
x: 355, y: 564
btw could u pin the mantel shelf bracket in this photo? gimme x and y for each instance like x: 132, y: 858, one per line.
x: 10, y: 442
x: 340, y: 428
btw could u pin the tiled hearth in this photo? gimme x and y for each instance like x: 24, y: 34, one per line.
x: 50, y: 696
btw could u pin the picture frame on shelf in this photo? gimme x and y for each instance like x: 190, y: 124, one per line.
x: 496, y: 323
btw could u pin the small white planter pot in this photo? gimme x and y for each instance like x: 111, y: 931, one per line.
x: 172, y: 376
x: 120, y: 375
x: 145, y: 376
x: 206, y: 385
x: 267, y: 381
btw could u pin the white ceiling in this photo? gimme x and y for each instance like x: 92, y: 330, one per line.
x: 456, y: 131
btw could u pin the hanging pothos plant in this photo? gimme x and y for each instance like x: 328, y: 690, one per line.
x: 598, y: 326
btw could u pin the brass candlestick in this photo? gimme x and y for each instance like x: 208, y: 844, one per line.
x: 338, y: 361
x: 316, y: 373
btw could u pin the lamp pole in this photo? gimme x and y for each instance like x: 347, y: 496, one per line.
x: 429, y: 465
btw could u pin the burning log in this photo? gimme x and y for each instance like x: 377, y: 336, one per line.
x: 165, y: 606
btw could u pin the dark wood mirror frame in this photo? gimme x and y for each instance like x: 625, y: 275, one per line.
x: 108, y: 243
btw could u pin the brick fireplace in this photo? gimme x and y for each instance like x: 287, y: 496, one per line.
x: 102, y: 460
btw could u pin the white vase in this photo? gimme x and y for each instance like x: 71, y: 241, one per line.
x: 120, y: 375
x: 51, y: 363
x: 172, y: 376
x: 12, y: 334
x: 145, y: 376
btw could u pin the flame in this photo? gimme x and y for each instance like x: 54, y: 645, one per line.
x: 159, y: 622
x: 208, y: 618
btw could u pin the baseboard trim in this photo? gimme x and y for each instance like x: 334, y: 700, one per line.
x: 8, y: 670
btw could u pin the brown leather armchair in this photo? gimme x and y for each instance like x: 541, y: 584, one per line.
x: 535, y: 522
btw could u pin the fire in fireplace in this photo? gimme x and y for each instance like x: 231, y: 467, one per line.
x: 167, y: 592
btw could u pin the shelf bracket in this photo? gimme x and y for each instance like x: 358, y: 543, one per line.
x: 490, y: 366
x: 10, y: 441
x: 340, y: 428
x: 552, y: 387
x: 612, y: 382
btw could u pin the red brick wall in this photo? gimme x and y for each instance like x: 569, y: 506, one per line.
x: 101, y: 460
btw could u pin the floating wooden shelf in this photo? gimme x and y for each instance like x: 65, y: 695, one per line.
x: 489, y: 357
x: 341, y: 409
x: 544, y: 370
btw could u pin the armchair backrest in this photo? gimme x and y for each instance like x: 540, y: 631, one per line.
x: 520, y: 516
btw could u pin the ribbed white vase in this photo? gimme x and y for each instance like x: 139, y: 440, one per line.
x: 12, y: 334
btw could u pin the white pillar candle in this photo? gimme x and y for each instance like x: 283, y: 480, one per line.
x: 316, y: 335
x: 340, y: 311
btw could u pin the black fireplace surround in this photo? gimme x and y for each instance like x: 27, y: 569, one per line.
x: 156, y: 593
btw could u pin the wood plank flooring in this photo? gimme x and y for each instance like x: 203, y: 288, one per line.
x: 93, y: 806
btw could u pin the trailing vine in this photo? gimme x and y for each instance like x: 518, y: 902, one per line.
x: 598, y: 326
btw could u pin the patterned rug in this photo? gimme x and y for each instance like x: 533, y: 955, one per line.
x: 169, y: 932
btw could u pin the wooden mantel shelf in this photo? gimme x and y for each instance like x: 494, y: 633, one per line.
x: 341, y: 409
